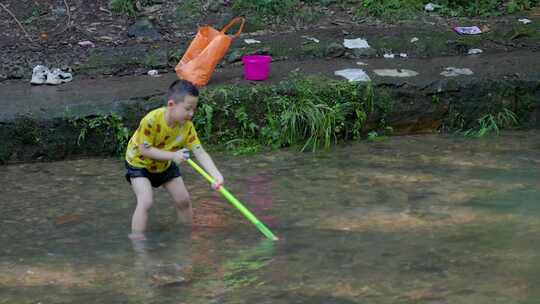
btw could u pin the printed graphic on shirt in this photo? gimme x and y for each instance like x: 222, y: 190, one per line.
x: 154, y: 132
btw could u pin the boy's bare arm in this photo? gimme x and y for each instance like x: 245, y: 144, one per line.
x: 157, y: 154
x: 208, y: 164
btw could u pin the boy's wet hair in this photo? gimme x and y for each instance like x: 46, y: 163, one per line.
x: 180, y: 89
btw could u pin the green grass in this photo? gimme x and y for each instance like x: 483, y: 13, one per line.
x: 308, y: 113
x: 123, y: 7
x: 491, y: 124
x: 263, y: 13
x: 111, y: 124
x: 126, y: 7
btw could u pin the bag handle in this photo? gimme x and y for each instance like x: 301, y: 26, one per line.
x: 233, y: 22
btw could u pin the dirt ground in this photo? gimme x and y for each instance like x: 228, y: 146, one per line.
x: 50, y: 32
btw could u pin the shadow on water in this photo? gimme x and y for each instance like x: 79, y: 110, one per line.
x: 416, y: 219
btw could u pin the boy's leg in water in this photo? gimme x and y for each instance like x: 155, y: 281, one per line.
x: 181, y: 199
x: 143, y: 191
x: 144, y: 268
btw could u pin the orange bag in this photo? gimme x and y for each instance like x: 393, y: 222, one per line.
x: 205, y: 52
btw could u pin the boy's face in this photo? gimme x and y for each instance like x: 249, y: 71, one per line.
x: 183, y: 111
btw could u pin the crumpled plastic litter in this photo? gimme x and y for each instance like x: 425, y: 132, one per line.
x: 251, y: 41
x: 357, y: 43
x: 311, y: 39
x: 453, y: 72
x: 414, y: 39
x: 86, y: 43
x: 353, y: 74
x: 395, y: 72
x: 474, y: 51
x: 430, y: 7
x: 468, y: 30
x: 524, y: 20
x: 42, y: 75
x: 153, y: 73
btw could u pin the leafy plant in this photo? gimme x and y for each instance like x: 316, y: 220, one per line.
x: 205, y: 114
x: 492, y: 123
x: 151, y: 61
x: 484, y: 7
x: 375, y: 136
x: 514, y: 6
x: 242, y: 146
x: 123, y: 7
x: 306, y: 112
x: 127, y: 7
x: 108, y: 123
x: 390, y: 8
x: 265, y: 7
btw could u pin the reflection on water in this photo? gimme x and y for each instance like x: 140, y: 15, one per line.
x: 415, y: 219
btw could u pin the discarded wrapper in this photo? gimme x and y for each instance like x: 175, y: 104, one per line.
x: 468, y: 30
x: 453, y: 72
x: 353, y: 74
x: 395, y: 73
x: 251, y: 41
x: 311, y: 39
x: 475, y: 51
x: 86, y: 43
x: 357, y: 43
x: 430, y: 7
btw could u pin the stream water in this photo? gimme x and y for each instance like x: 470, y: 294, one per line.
x: 413, y: 219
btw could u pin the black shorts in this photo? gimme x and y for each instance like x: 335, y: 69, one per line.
x: 156, y: 179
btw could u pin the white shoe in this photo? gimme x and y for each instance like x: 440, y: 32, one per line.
x: 39, y: 74
x: 57, y: 76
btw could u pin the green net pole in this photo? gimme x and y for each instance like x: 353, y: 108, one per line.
x: 262, y: 228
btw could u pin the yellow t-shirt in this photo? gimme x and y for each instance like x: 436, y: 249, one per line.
x: 154, y: 132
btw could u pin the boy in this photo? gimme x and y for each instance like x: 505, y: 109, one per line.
x: 155, y: 150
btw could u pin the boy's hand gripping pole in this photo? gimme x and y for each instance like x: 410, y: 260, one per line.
x: 235, y: 203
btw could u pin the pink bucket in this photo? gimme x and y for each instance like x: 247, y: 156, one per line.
x: 256, y: 67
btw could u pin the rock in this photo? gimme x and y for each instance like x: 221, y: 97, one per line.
x: 395, y: 72
x: 143, y: 28
x: 235, y: 56
x: 215, y: 6
x: 262, y: 51
x: 453, y: 72
x: 59, y: 11
x: 459, y: 47
x: 152, y: 9
x: 335, y: 50
x: 16, y: 72
x: 357, y: 53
